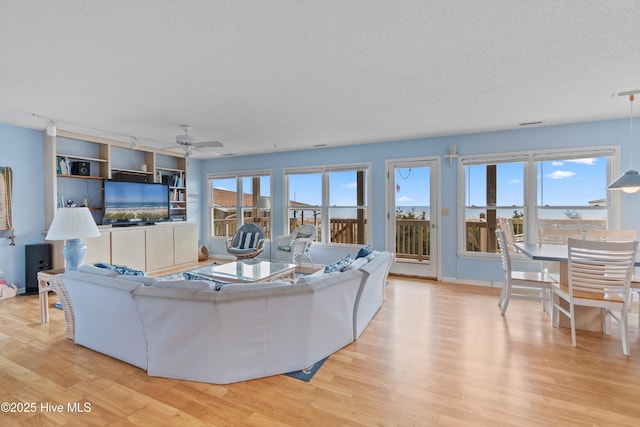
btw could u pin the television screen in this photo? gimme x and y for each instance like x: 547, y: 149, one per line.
x: 130, y: 203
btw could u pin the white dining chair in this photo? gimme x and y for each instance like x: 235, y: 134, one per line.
x: 506, y: 225
x: 558, y: 236
x: 530, y: 285
x: 619, y: 236
x: 611, y: 235
x: 599, y: 276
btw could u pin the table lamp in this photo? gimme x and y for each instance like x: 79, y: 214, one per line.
x: 72, y: 225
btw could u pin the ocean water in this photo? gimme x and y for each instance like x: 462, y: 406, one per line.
x: 592, y: 213
x: 474, y: 213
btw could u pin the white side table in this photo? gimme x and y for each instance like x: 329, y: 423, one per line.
x: 47, y: 281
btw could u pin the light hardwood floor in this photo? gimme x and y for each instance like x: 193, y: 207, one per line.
x: 435, y: 354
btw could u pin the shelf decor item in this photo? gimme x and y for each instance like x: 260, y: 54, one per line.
x: 73, y: 225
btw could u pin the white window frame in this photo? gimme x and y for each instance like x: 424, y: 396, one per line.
x: 239, y: 192
x: 530, y: 158
x: 324, y: 206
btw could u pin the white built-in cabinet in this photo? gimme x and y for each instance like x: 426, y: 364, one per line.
x: 145, y: 248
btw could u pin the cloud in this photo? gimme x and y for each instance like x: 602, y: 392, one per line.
x: 560, y: 174
x: 590, y: 161
x: 557, y: 163
x: 403, y: 199
x: 351, y: 185
x: 515, y: 181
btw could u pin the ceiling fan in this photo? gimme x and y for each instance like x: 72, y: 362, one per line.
x: 188, y: 143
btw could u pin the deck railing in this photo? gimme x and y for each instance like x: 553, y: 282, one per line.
x: 412, y: 239
x: 412, y: 235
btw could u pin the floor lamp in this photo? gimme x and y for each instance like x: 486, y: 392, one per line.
x: 265, y: 203
x: 73, y: 225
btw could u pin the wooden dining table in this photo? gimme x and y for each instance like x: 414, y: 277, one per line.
x: 587, y: 318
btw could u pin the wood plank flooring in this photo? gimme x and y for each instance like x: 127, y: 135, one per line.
x: 436, y: 354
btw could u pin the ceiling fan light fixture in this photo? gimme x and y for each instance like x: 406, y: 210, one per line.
x: 184, y: 139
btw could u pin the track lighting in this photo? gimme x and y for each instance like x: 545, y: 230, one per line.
x: 52, y: 129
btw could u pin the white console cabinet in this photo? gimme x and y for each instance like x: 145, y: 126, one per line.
x: 149, y: 248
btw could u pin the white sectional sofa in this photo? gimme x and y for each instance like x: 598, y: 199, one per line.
x: 187, y: 330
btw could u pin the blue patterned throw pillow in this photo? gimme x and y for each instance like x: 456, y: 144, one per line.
x: 339, y: 265
x: 216, y: 285
x: 127, y: 271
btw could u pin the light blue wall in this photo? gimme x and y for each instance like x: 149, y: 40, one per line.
x: 615, y: 132
x: 21, y: 149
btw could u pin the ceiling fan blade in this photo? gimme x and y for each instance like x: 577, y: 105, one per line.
x: 208, y: 144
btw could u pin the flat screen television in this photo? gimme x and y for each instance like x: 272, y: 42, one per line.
x: 134, y: 203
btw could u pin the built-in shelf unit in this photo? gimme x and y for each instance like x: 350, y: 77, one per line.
x: 79, y: 164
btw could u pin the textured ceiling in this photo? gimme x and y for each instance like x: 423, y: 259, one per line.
x: 263, y: 76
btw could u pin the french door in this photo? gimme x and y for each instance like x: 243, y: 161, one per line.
x: 412, y: 215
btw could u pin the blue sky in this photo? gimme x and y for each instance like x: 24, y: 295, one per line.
x: 412, y: 187
x: 560, y: 183
x: 307, y: 188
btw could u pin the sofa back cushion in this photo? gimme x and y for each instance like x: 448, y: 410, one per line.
x: 106, y: 317
x: 100, y: 271
x: 202, y: 285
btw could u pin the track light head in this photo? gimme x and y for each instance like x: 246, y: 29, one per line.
x: 52, y: 128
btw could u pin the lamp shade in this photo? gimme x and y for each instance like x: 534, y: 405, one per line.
x: 72, y: 223
x: 264, y: 202
x: 629, y: 182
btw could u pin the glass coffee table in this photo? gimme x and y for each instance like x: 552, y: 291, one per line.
x: 247, y: 271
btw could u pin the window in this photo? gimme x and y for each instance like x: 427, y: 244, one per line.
x: 493, y: 190
x: 241, y: 192
x: 334, y: 199
x: 572, y: 192
x: 537, y: 189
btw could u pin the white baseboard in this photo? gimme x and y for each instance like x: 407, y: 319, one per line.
x: 459, y: 281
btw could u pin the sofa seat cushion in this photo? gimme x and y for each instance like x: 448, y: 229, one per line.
x: 238, y: 251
